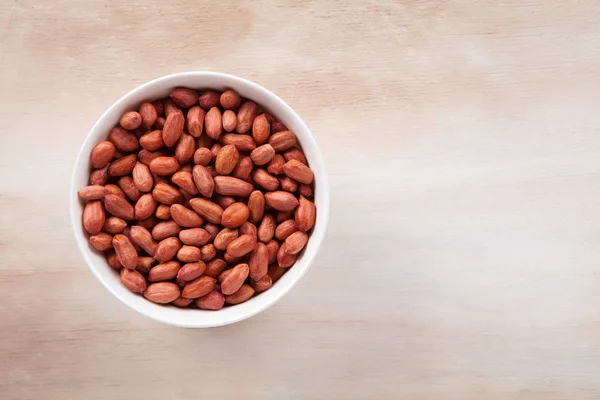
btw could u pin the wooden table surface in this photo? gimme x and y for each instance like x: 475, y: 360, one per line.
x: 462, y: 140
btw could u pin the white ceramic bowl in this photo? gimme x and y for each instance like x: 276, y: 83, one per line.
x: 160, y: 88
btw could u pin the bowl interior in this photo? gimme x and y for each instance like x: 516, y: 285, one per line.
x: 160, y: 88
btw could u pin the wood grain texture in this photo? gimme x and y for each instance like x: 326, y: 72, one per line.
x: 463, y: 145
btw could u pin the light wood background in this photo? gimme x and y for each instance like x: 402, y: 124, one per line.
x: 463, y: 145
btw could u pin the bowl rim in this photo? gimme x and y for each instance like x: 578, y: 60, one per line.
x: 317, y: 235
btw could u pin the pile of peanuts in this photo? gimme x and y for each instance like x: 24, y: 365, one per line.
x: 199, y: 199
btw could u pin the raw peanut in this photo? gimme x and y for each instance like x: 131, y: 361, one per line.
x: 235, y: 215
x: 144, y: 264
x: 206, y: 208
x: 241, y: 246
x: 128, y: 187
x: 226, y: 159
x: 223, y: 275
x: 288, y: 184
x: 246, y: 114
x: 182, y: 302
x: 160, y: 123
x: 277, y: 126
x: 164, y: 272
x: 159, y: 105
x: 125, y: 251
x: 248, y: 228
x: 114, y: 189
x: 224, y: 237
x: 269, y: 117
x: 113, y: 260
x: 149, y: 222
x: 275, y: 272
x: 119, y: 154
x: 173, y: 128
x: 145, y: 207
x: 305, y: 190
x: 164, y: 166
x: 203, y: 180
x: 259, y: 261
x: 102, y: 153
x: 223, y: 201
x: 101, y: 242
x: 199, y: 287
x: 283, y: 140
x: 202, y: 156
x: 266, y: 230
x: 171, y: 108
x: 165, y: 229
x: 215, y: 267
x: 241, y: 142
x: 163, y: 212
x: 213, y: 230
x: 123, y: 140
x: 235, y: 279
x: 185, y: 181
x: 214, y: 150
x: 296, y: 242
x: 146, y: 156
x: 213, y: 123
x: 229, y: 120
x: 142, y: 237
x: 232, y: 259
x: 298, y: 171
x: 184, y: 151
x: 93, y: 217
x: 262, y: 284
x: 273, y: 248
x: 264, y: 179
x: 285, y: 259
x: 93, y: 192
x: 256, y: 205
x: 262, y: 155
x: 184, y: 97
x: 114, y: 225
x: 194, y: 236
x: 142, y: 177
x: 208, y: 252
x: 133, y: 280
x: 240, y: 296
x: 185, y: 217
x: 243, y: 169
x: 152, y: 141
x: 281, y: 201
x: 188, y: 254
x: 122, y: 166
x: 230, y: 186
x: 284, y: 216
x: 166, y: 194
x: 276, y: 165
x: 230, y: 100
x: 212, y: 301
x: 295, y: 154
x: 261, y: 129
x: 195, y: 121
x: 130, y: 120
x: 159, y: 179
x: 191, y: 271
x: 119, y: 207
x: 209, y: 99
x: 285, y: 229
x: 148, y: 114
x: 162, y: 292
x: 166, y: 249
x: 99, y: 176
x: 306, y: 214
